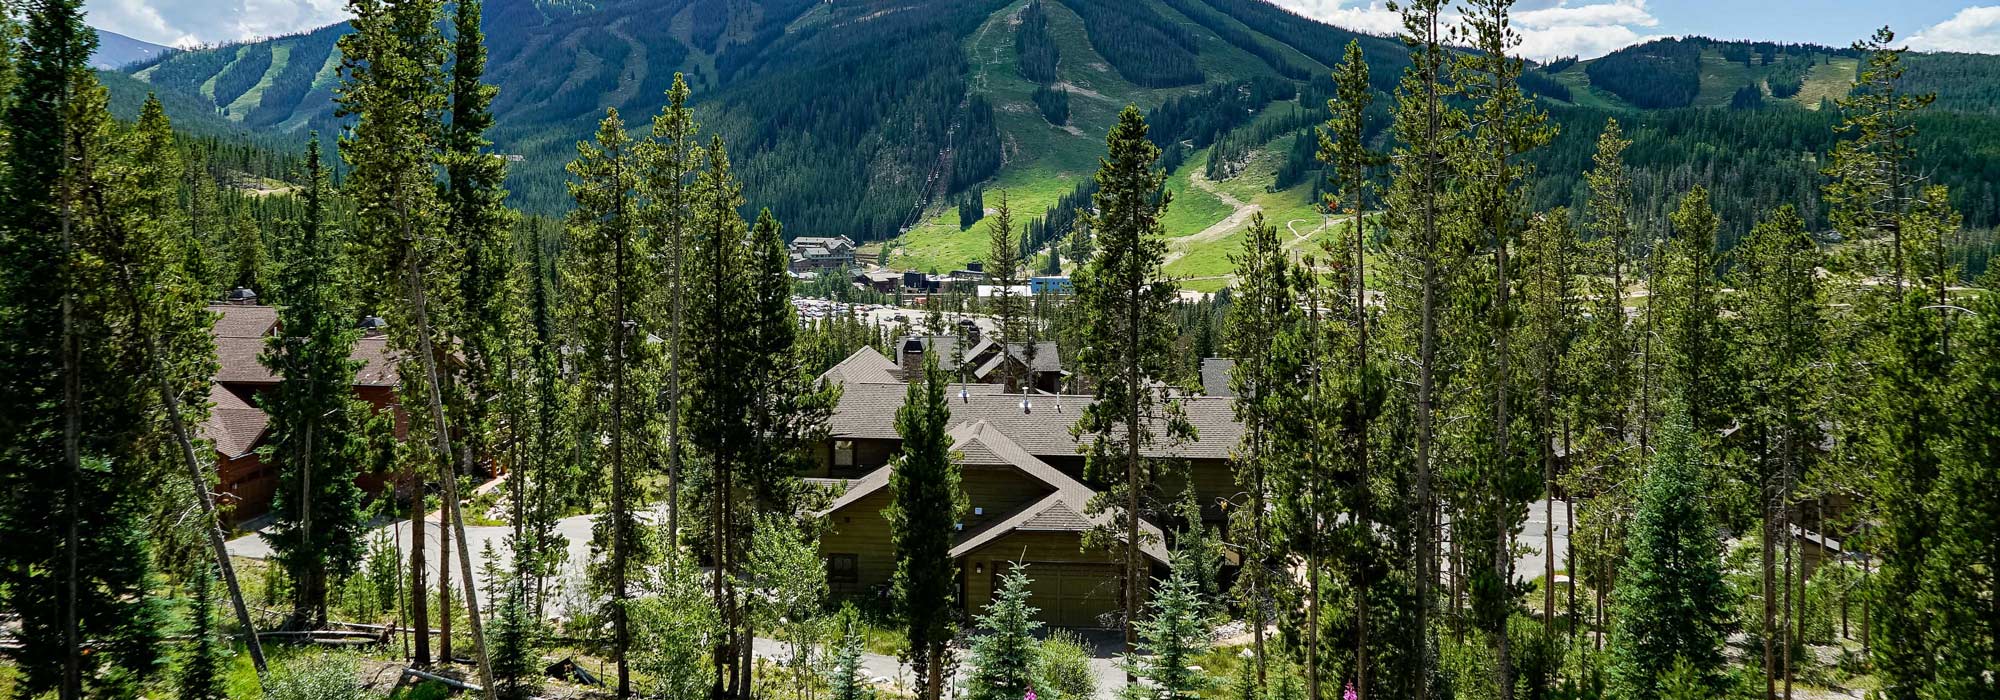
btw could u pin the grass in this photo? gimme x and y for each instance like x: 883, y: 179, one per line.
x: 281, y: 54
x: 1829, y: 81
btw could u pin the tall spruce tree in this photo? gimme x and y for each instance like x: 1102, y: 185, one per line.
x: 922, y: 518
x: 605, y: 277
x: 1871, y: 174
x: 1264, y: 303
x: 1672, y: 605
x: 1123, y: 302
x: 392, y: 80
x: 1003, y: 269
x: 1427, y: 125
x: 318, y: 518
x: 1172, y: 637
x: 1550, y: 256
x: 1685, y: 310
x: 1499, y: 480
x: 1779, y: 308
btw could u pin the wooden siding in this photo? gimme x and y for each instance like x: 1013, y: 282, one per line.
x: 1038, y: 548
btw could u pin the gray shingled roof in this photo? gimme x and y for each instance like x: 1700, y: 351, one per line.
x: 1215, y: 376
x: 233, y: 424
x: 865, y: 365
x: 868, y: 411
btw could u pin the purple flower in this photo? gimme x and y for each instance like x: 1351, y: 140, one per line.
x: 1030, y: 695
x: 1349, y: 693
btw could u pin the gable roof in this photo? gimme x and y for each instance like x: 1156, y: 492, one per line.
x: 240, y: 331
x: 233, y: 424
x: 865, y: 365
x: 867, y: 410
x: 979, y: 443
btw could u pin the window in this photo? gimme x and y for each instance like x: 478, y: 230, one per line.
x: 843, y: 453
x: 842, y: 568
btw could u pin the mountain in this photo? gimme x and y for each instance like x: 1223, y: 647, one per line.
x: 877, y: 119
x: 115, y: 50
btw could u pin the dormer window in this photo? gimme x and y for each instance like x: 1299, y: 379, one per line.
x: 843, y: 453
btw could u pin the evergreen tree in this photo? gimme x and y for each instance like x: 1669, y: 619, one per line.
x: 1171, y: 638
x: 605, y: 276
x: 201, y: 673
x: 1966, y: 625
x: 1672, y: 605
x: 846, y: 682
x: 391, y: 69
x: 1549, y: 251
x: 1907, y: 439
x: 1780, y: 316
x: 1427, y: 124
x: 516, y: 637
x: 1003, y: 270
x: 1263, y: 305
x: 1871, y: 176
x: 249, y: 260
x: 922, y: 519
x: 669, y: 160
x: 1498, y: 480
x: 1123, y: 304
x: 1005, y: 657
x: 318, y: 517
x: 1685, y: 308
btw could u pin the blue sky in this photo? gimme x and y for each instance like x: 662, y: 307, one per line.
x: 1589, y: 28
x: 1550, y: 28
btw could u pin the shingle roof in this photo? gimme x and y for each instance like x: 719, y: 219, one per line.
x: 980, y: 444
x: 233, y: 424
x: 865, y: 365
x: 867, y: 410
x: 239, y: 340
x: 1215, y: 376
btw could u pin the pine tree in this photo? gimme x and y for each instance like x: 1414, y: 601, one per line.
x: 1672, y: 605
x: 1907, y: 440
x: 1171, y: 638
x: 1427, y: 124
x: 922, y: 518
x: 1549, y: 251
x: 1966, y: 625
x: 1779, y: 309
x: 846, y: 682
x: 1685, y: 308
x: 1871, y: 174
x: 605, y: 276
x: 1005, y: 656
x: 391, y: 68
x: 318, y: 513
x: 669, y: 160
x: 1003, y: 270
x: 1603, y: 363
x: 201, y: 664
x: 249, y: 260
x: 1263, y: 305
x: 1499, y: 481
x: 1342, y: 145
x: 1123, y: 304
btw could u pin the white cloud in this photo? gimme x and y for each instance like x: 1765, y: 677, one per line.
x: 191, y: 22
x: 1551, y: 30
x: 1972, y: 30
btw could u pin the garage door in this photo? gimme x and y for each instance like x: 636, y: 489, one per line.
x: 1073, y: 595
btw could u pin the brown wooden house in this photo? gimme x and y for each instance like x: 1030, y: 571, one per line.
x: 237, y: 427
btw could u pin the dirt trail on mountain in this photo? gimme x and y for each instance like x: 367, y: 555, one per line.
x: 1178, y: 247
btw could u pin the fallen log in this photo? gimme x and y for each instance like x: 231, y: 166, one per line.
x: 450, y: 682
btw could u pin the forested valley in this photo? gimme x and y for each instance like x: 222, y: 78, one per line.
x: 1591, y: 383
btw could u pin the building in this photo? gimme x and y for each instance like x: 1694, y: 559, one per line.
x: 1038, y: 365
x: 1023, y: 481
x: 1051, y: 284
x: 237, y: 427
x: 811, y: 253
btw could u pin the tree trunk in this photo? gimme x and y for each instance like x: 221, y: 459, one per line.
x: 429, y: 358
x: 420, y: 593
x: 444, y: 568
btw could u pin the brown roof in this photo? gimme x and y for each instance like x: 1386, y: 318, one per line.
x: 979, y: 443
x: 867, y: 410
x: 233, y: 425
x: 239, y: 340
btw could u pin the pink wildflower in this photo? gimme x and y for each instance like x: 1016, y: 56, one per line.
x: 1349, y: 693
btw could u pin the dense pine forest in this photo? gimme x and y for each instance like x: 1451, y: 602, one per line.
x: 1594, y: 382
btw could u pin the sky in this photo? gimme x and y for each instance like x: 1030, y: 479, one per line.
x: 1549, y: 28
